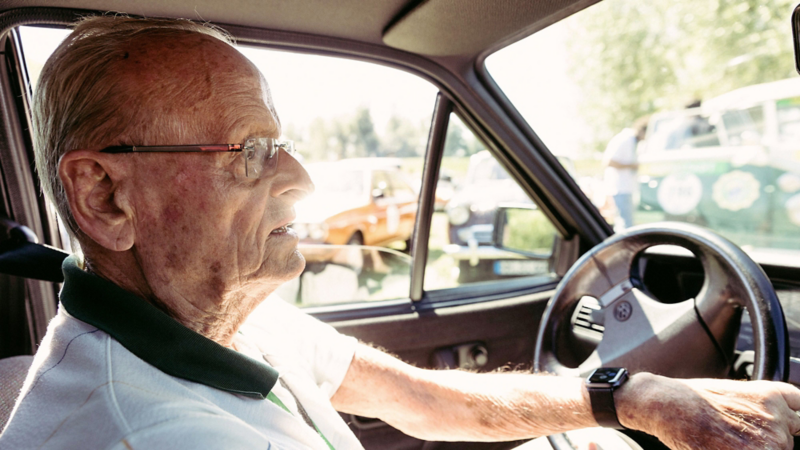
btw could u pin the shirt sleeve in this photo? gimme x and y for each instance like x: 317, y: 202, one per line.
x: 285, y: 332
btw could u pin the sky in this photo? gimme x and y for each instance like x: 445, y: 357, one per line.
x: 305, y: 87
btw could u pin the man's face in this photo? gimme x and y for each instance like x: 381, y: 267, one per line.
x: 202, y: 228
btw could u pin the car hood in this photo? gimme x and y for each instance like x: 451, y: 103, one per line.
x: 319, y: 207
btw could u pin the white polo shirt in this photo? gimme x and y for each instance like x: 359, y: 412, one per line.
x: 621, y: 149
x: 115, y: 372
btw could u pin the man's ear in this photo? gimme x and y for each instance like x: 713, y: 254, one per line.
x: 91, y: 182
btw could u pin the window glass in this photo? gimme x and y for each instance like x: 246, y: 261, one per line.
x: 744, y: 126
x: 358, y: 128
x: 380, y: 185
x: 658, y: 127
x: 788, y: 112
x: 401, y: 186
x: 473, y: 188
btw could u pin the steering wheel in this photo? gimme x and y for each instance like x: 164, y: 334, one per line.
x: 693, y: 338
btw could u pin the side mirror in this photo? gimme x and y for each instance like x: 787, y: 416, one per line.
x: 524, y: 229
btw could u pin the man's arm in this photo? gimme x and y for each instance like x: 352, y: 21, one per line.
x: 461, y: 406
x: 619, y: 165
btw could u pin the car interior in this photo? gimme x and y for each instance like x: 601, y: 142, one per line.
x: 684, y: 286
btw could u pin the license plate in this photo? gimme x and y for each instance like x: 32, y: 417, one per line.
x: 521, y: 267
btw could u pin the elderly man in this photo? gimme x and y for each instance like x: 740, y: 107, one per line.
x: 160, y: 341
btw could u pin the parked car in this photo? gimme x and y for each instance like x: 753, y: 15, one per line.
x: 730, y: 164
x: 357, y: 201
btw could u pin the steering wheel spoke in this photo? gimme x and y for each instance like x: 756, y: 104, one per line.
x: 643, y: 334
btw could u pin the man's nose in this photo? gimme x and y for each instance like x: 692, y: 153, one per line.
x: 291, y: 179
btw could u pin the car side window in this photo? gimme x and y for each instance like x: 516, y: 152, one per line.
x: 358, y: 128
x: 381, y: 188
x: 788, y: 118
x: 473, y: 195
x: 400, y: 187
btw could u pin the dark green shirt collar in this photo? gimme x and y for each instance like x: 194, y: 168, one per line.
x: 158, y: 339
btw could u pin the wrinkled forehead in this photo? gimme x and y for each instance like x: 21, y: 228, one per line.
x: 181, y: 55
x: 196, y: 76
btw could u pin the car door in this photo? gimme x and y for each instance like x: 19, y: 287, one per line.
x: 440, y: 321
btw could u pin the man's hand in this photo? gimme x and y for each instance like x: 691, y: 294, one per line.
x: 711, y: 414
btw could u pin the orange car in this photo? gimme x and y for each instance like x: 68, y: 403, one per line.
x: 362, y: 201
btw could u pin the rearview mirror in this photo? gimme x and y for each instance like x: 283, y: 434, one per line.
x: 796, y: 35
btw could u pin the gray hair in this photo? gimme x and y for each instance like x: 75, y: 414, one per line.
x: 78, y: 103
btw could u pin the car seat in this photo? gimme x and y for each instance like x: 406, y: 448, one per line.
x: 21, y: 255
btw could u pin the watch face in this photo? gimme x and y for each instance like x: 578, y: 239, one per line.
x: 606, y: 375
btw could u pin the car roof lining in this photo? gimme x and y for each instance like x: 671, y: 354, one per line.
x: 463, y: 28
x: 348, y: 19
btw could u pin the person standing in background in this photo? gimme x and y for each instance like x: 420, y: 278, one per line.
x: 620, y: 163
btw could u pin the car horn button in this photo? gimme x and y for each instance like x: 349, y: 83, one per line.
x: 622, y: 311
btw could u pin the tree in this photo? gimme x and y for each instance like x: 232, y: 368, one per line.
x: 454, y: 144
x: 402, y: 138
x: 354, y: 135
x: 365, y: 139
x: 632, y: 58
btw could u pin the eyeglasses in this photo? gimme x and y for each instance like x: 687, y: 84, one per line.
x: 260, y: 154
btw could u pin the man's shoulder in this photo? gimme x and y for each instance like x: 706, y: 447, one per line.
x: 622, y: 147
x: 622, y: 138
x: 86, y: 389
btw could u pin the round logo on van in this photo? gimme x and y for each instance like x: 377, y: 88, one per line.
x: 736, y: 190
x: 680, y: 193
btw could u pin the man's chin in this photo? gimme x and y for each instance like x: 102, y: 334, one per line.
x: 290, y: 269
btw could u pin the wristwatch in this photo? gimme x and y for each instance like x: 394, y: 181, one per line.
x: 601, y: 385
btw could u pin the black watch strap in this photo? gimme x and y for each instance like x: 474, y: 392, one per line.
x: 605, y: 413
x: 601, y: 385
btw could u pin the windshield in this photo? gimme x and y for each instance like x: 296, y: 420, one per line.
x: 657, y: 127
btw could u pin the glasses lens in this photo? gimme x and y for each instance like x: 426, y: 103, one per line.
x: 261, y: 156
x: 253, y: 158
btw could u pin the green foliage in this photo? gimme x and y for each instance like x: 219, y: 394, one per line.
x: 355, y: 136
x: 632, y: 58
x: 459, y: 140
x: 528, y: 230
x: 363, y: 132
x: 404, y: 139
x: 454, y: 141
